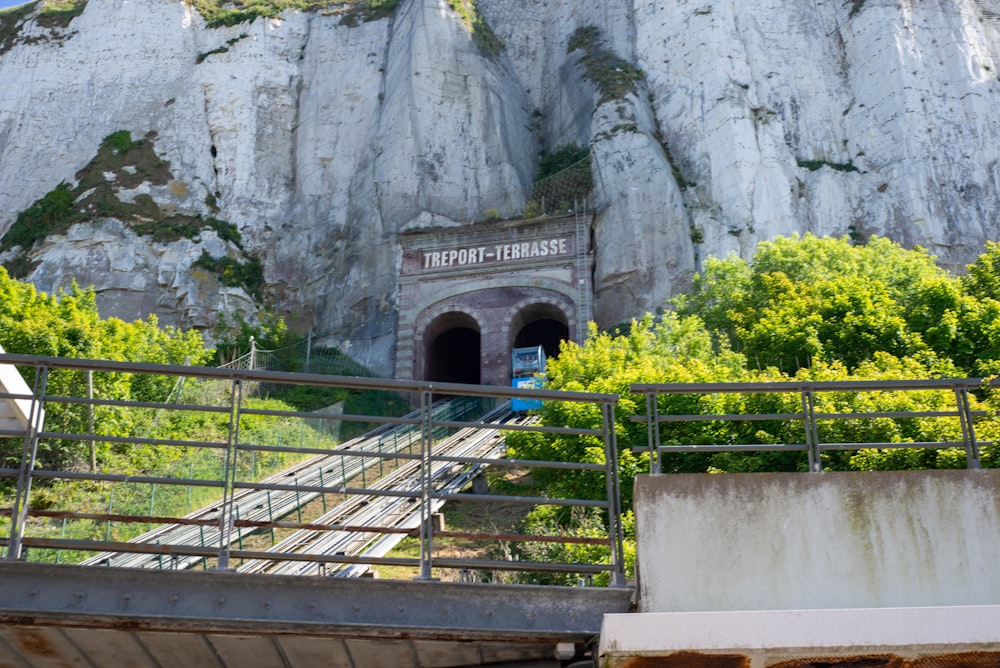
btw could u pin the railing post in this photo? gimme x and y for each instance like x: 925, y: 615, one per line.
x: 811, y: 430
x: 968, y: 428
x: 616, y: 535
x: 29, y: 453
x: 426, y: 519
x: 226, y: 517
x: 653, y: 431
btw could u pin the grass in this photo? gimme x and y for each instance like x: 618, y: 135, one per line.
x: 614, y: 77
x: 230, y: 272
x: 222, y: 49
x: 11, y: 21
x: 482, y: 34
x: 52, y: 15
x: 218, y: 13
x: 472, y: 517
x: 59, y: 13
x: 183, y: 462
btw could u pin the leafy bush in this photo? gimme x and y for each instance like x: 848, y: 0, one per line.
x: 68, y: 325
x: 248, y: 275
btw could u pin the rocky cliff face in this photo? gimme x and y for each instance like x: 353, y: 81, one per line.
x: 318, y: 137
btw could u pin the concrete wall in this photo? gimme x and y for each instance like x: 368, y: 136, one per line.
x: 787, y: 541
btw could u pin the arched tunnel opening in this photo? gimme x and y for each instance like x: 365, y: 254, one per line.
x: 453, y: 350
x: 546, y: 333
x: 542, y: 325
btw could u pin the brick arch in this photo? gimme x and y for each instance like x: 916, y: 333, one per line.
x: 430, y: 314
x: 438, y: 320
x: 499, y: 313
x: 550, y: 302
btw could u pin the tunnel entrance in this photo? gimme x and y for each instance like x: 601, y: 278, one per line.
x: 541, y: 325
x: 453, y: 350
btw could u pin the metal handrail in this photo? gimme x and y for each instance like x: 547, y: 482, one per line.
x: 218, y: 534
x: 809, y: 416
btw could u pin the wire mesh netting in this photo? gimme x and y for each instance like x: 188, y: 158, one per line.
x: 573, y: 186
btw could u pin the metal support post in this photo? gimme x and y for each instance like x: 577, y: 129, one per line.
x: 653, y: 432
x: 811, y: 431
x: 309, y: 347
x: 968, y: 428
x: 226, y: 517
x: 616, y: 535
x: 426, y: 519
x: 29, y: 453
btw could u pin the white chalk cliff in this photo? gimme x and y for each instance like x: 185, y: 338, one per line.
x: 320, y: 137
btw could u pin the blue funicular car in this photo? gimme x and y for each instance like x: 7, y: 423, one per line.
x: 527, y: 371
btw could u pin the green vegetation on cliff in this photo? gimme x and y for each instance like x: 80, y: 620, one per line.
x: 124, y: 163
x: 218, y: 13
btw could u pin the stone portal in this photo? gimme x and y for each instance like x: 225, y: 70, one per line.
x: 470, y: 294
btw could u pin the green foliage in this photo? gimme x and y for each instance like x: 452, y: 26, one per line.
x: 983, y: 278
x: 124, y: 163
x: 59, y: 13
x: 131, y: 162
x: 232, y: 338
x: 218, y: 13
x: 532, y: 210
x: 11, y: 21
x: 52, y: 214
x: 121, y: 141
x: 813, y: 165
x: 550, y: 521
x: 248, y: 275
x: 482, y: 34
x: 809, y: 299
x: 560, y: 158
x: 53, y: 14
x: 222, y: 49
x: 674, y: 349
x: 802, y: 309
x: 563, y: 177
x: 68, y: 325
x: 286, y: 349
x: 614, y: 77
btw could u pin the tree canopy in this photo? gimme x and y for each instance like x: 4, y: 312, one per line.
x: 804, y: 308
x: 68, y: 324
x: 808, y: 308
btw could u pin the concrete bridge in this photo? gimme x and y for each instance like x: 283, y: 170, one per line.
x: 737, y: 570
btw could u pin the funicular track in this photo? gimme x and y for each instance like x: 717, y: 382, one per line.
x: 373, y: 524
x: 287, y: 491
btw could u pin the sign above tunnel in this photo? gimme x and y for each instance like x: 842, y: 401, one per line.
x: 490, y: 247
x: 463, y: 256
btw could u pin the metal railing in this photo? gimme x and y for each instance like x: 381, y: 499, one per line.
x: 37, y: 520
x: 818, y: 406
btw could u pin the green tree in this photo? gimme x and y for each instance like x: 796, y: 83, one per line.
x: 805, y: 299
x: 68, y: 325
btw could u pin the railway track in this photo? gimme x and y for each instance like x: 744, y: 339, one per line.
x: 394, y: 505
x: 278, y: 496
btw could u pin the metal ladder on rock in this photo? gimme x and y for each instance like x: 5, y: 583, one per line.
x: 583, y: 300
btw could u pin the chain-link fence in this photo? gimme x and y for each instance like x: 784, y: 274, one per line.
x: 303, y: 356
